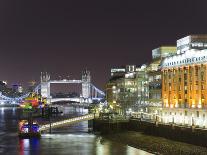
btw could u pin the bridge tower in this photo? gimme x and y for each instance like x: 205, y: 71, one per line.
x: 45, y: 85
x: 86, y: 84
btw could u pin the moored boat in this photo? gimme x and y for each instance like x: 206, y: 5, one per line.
x: 28, y: 130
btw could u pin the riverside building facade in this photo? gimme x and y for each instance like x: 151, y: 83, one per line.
x: 132, y: 88
x: 154, y: 73
x: 184, y: 83
x: 154, y: 78
x: 121, y: 89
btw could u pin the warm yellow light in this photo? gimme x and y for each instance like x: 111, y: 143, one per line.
x: 176, y: 104
x: 22, y: 105
x: 199, y: 106
x: 193, y: 104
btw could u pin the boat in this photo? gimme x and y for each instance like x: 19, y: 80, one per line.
x: 28, y: 130
x: 34, y: 101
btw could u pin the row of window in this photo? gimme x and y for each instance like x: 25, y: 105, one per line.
x: 179, y: 87
x: 186, y: 97
x: 186, y: 61
x: 172, y: 75
x: 185, y: 113
x: 185, y: 69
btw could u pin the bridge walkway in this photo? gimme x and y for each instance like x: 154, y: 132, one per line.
x: 66, y: 121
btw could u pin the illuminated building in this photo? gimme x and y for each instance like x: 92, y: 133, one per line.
x: 17, y: 88
x: 20, y: 89
x: 7, y: 91
x: 184, y: 83
x: 198, y: 42
x: 3, y: 83
x: 121, y: 89
x: 138, y: 88
x: 111, y: 94
x: 117, y: 71
x: 142, y: 88
x: 154, y: 75
x: 128, y: 90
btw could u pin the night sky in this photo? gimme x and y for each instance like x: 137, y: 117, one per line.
x: 65, y: 37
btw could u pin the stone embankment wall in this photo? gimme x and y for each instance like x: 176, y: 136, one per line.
x: 106, y: 127
x: 177, y: 133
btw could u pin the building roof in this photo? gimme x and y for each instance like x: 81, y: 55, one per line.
x: 114, y: 78
x: 191, y: 56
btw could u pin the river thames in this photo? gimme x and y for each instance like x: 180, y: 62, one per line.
x: 70, y: 140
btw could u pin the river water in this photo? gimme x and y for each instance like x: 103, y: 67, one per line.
x: 71, y: 140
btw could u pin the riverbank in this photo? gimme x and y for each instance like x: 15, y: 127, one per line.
x: 156, y: 145
x: 194, y: 136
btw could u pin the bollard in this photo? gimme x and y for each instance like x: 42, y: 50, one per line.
x: 156, y: 121
x: 193, y: 128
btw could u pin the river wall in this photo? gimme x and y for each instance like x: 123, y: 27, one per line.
x: 183, y: 134
x: 107, y: 127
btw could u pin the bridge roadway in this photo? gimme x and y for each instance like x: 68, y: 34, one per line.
x: 81, y: 100
x: 65, y: 99
x: 66, y: 121
x: 65, y: 81
x: 75, y: 105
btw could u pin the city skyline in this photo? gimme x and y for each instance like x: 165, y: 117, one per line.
x: 103, y: 77
x: 66, y: 37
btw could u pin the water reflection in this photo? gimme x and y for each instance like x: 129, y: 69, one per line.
x: 2, y: 112
x: 29, y: 146
x: 13, y: 111
x: 71, y: 140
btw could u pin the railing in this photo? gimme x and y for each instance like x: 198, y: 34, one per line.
x: 186, y: 121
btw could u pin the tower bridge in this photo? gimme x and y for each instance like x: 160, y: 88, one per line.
x: 89, y: 92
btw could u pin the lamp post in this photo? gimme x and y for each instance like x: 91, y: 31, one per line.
x: 193, y: 124
x: 50, y: 111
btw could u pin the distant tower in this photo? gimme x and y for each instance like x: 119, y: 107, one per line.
x: 86, y: 81
x: 45, y: 85
x: 45, y: 77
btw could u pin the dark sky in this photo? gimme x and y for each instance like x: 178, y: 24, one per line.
x: 64, y: 37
